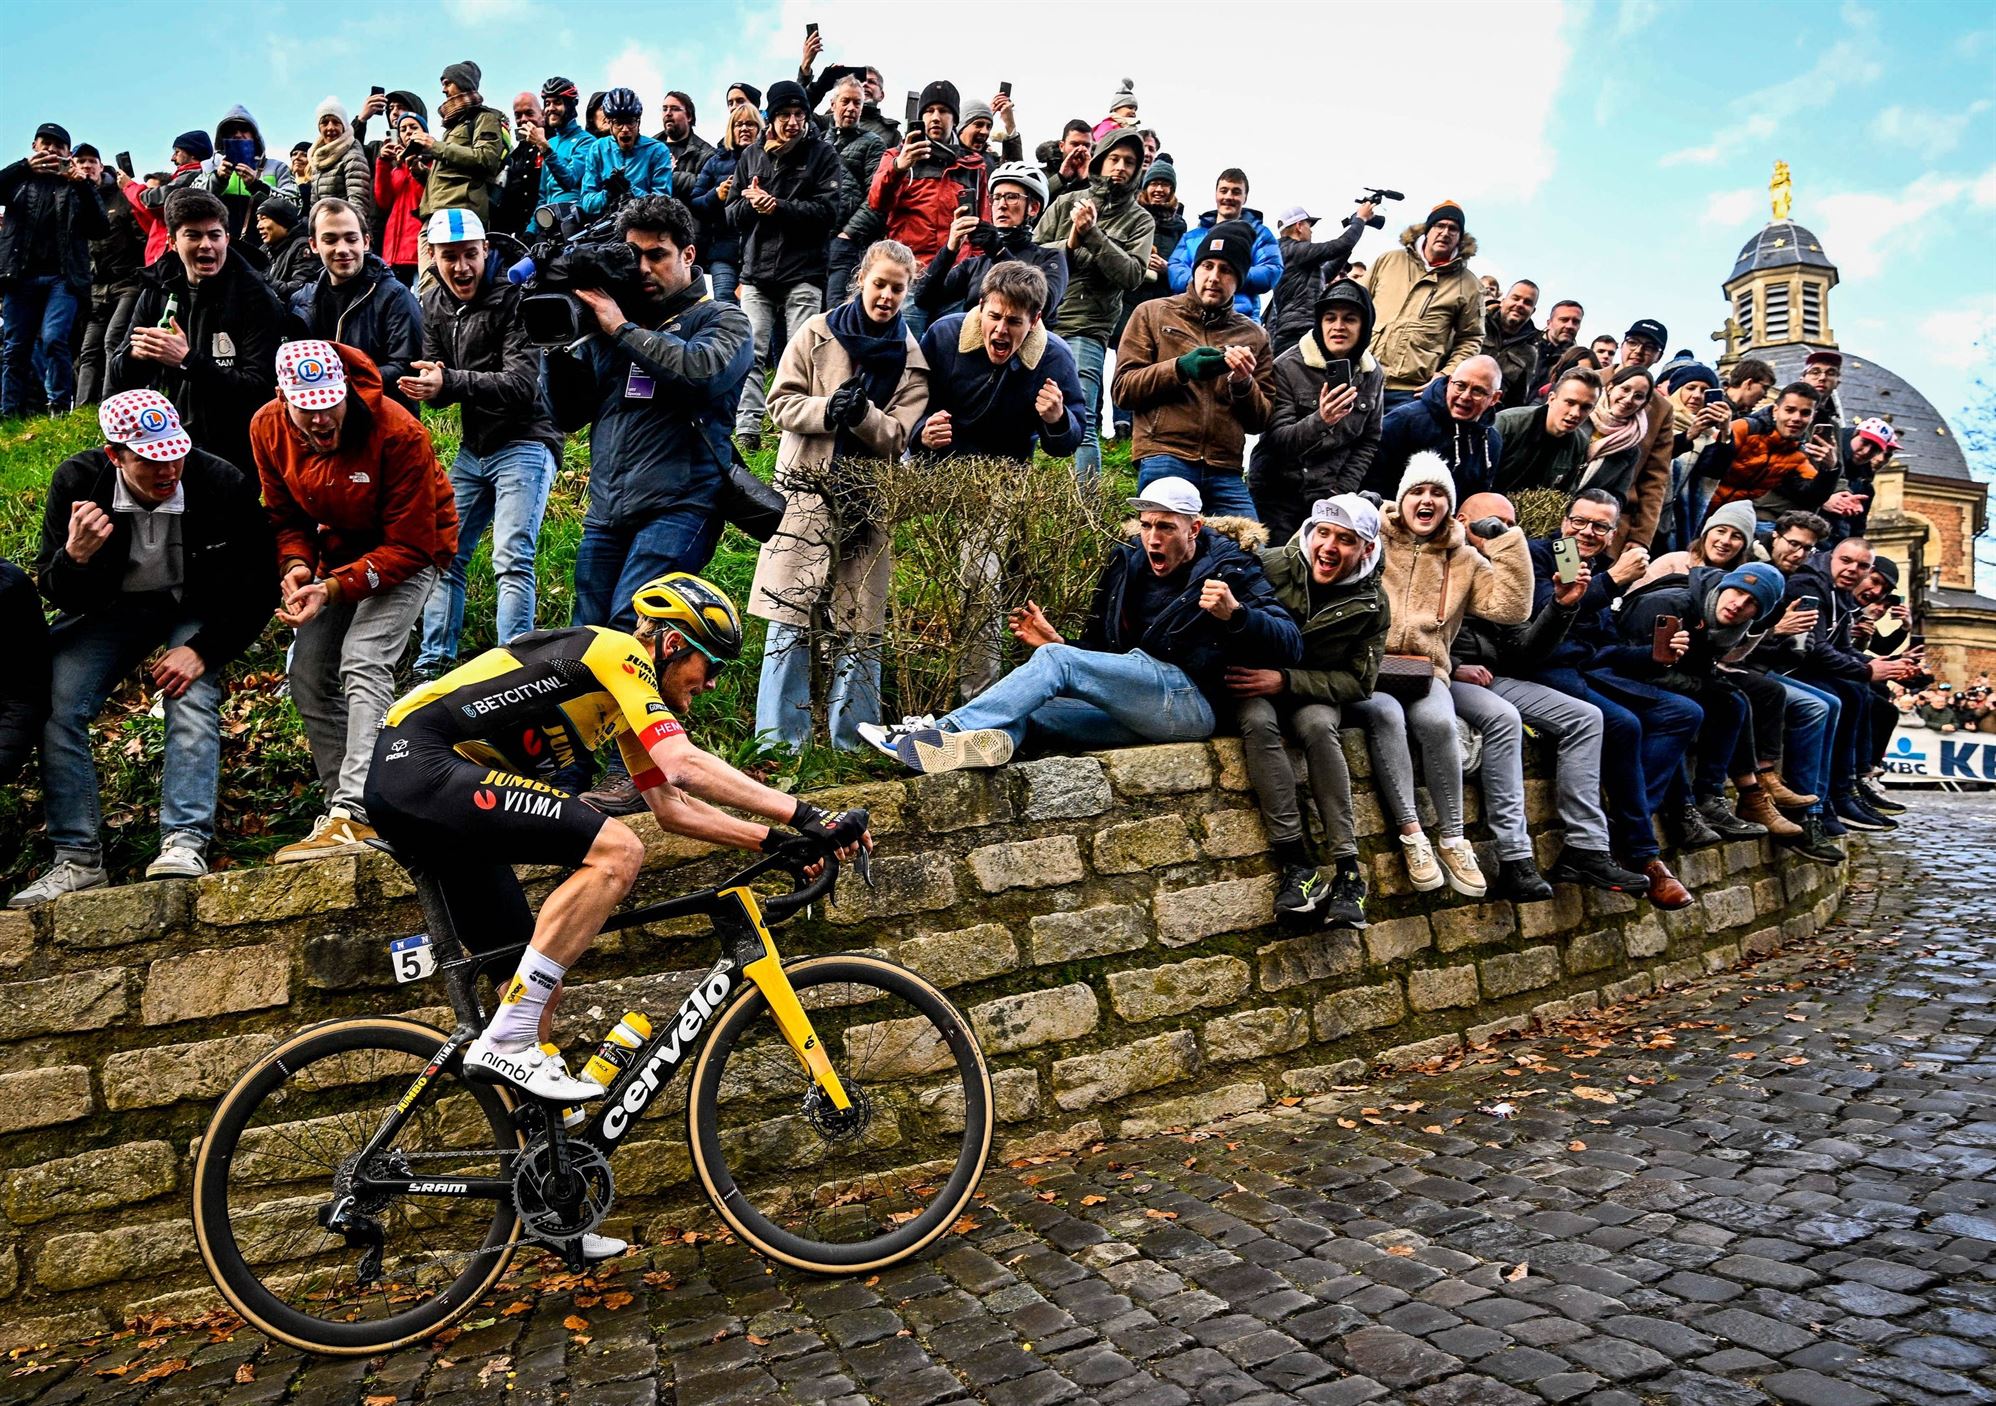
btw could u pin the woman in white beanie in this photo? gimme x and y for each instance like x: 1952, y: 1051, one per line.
x: 1432, y: 579
x: 338, y: 164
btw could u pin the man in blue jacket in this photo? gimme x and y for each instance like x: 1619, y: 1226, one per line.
x: 1265, y: 262
x: 1456, y: 418
x: 357, y: 301
x: 1174, y: 609
x: 562, y: 141
x: 1000, y: 384
x: 626, y: 165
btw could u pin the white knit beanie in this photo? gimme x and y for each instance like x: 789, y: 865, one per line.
x: 336, y: 108
x: 1426, y: 466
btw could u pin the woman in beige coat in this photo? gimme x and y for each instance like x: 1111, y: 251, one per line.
x: 851, y: 385
x: 1432, y: 579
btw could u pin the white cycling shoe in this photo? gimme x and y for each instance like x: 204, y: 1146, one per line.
x: 531, y: 1070
x: 603, y: 1247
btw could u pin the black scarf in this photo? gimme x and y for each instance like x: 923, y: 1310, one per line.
x: 880, y: 356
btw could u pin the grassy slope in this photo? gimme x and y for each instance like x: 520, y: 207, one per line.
x: 268, y: 795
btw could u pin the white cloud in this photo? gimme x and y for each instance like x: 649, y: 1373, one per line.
x: 638, y: 67
x: 1861, y: 229
x: 1264, y: 107
x: 1728, y: 209
x: 1960, y: 336
x: 1704, y: 155
x: 476, y: 12
x: 1926, y: 130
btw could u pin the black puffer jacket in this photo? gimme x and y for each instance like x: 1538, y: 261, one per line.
x: 233, y: 324
x: 1169, y: 229
x: 228, y: 556
x: 859, y: 152
x: 52, y: 211
x: 1307, y: 268
x: 1261, y: 635
x: 787, y: 245
x: 1300, y: 459
x: 117, y: 257
x: 294, y: 264
x: 489, y: 366
x: 384, y: 320
x: 24, y: 684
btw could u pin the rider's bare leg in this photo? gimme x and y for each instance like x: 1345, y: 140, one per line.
x: 569, y: 920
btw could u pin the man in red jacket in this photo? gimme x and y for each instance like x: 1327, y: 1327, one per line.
x: 924, y: 183
x: 364, y: 519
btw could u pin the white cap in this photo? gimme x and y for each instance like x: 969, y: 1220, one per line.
x: 1294, y: 215
x: 1169, y: 495
x: 455, y: 227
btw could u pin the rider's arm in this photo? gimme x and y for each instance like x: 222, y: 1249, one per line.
x: 680, y: 766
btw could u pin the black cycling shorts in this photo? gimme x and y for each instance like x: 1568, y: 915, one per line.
x: 468, y: 824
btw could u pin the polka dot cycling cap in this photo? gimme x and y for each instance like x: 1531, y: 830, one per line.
x: 146, y: 423
x: 310, y: 376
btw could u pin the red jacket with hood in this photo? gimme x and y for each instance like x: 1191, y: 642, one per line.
x: 919, y: 204
x: 375, y: 511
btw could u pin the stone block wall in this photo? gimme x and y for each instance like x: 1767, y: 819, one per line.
x: 1105, y: 921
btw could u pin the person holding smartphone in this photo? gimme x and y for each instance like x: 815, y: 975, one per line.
x: 1324, y: 429
x: 1761, y: 454
x: 54, y: 210
x: 920, y: 186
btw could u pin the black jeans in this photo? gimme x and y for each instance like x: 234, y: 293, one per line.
x: 109, y: 327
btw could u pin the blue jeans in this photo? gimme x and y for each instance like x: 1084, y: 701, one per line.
x: 1089, y: 354
x: 1221, y: 491
x: 916, y: 318
x: 1084, y: 699
x: 507, y: 490
x: 39, y: 312
x: 1641, y: 756
x: 92, y: 654
x: 841, y: 260
x: 1850, y: 738
x: 1726, y: 714
x: 612, y: 562
x: 1811, y: 716
x: 783, y: 697
x: 726, y: 276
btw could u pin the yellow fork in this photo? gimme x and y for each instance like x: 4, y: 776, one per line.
x: 767, y: 973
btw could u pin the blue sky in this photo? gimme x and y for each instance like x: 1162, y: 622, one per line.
x: 1615, y: 152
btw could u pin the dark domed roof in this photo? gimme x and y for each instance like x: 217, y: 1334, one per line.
x: 1927, y: 444
x: 1780, y: 245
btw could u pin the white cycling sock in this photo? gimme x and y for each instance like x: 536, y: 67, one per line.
x: 517, y: 1022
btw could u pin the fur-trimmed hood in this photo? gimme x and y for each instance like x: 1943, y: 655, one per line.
x: 970, y: 338
x: 1410, y: 240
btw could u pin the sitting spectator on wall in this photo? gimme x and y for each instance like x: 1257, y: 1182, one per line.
x: 1322, y: 433
x: 1454, y: 419
x: 1326, y: 575
x: 1762, y: 452
x: 156, y: 554
x: 1199, y: 377
x: 1174, y: 610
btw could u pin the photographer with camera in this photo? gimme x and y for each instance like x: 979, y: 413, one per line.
x: 658, y: 391
x: 476, y: 355
x: 1307, y: 269
x: 626, y: 165
x: 954, y: 279
x: 54, y: 210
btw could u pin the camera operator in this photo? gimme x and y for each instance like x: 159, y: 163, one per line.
x: 658, y: 391
x: 626, y: 165
x: 954, y: 279
x: 476, y: 355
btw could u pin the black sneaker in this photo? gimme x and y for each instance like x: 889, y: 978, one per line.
x: 616, y: 796
x: 1856, y: 815
x: 1876, y: 799
x: 1692, y: 832
x: 1520, y: 881
x: 1813, y: 843
x: 1596, y: 868
x: 1345, y: 908
x: 1714, y: 811
x: 1302, y: 893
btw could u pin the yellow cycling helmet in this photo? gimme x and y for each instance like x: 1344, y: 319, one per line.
x: 699, y: 610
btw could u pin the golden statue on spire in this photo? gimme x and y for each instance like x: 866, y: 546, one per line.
x: 1780, y: 189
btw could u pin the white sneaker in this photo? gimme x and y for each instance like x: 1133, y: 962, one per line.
x: 1458, y: 859
x: 182, y: 856
x: 886, y: 737
x: 63, y: 876
x: 531, y: 1070
x: 931, y: 749
x: 603, y: 1247
x: 1419, y: 856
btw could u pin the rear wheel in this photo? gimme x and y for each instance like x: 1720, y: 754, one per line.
x: 284, y: 1144
x: 842, y: 1191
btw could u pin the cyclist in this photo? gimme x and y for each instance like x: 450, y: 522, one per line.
x: 456, y: 789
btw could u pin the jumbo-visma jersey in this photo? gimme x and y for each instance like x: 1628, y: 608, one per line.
x: 547, y: 698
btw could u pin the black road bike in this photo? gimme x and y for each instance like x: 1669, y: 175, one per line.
x: 355, y: 1192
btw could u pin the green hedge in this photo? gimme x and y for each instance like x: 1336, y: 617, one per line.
x: 269, y: 793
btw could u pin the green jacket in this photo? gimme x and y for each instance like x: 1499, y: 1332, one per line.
x: 1110, y: 260
x: 1531, y: 458
x: 1346, y: 634
x: 469, y: 156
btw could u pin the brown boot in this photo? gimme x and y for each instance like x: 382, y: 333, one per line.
x: 1666, y: 890
x: 1756, y: 805
x: 1779, y: 792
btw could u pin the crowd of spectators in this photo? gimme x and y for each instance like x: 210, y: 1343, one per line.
x: 1328, y: 455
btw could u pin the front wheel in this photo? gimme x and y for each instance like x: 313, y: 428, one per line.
x: 842, y: 1191
x: 284, y: 1144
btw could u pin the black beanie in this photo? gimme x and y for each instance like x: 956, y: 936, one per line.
x: 281, y: 208
x: 942, y: 91
x: 1232, y: 240
x: 196, y: 144
x: 464, y: 73
x: 785, y: 92
x: 1447, y: 210
x: 749, y: 91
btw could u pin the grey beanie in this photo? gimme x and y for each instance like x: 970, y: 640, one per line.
x: 1125, y: 96
x: 1738, y: 515
x: 1160, y: 170
x: 975, y: 109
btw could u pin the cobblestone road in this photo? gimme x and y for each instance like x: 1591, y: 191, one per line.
x: 1776, y: 1185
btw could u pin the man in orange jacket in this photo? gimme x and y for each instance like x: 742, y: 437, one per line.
x: 364, y: 520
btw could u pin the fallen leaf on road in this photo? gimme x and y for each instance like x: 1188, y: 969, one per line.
x: 1156, y: 1214
x: 1592, y: 1095
x: 575, y: 1323
x: 1401, y: 1251
x: 245, y: 1374
x: 1346, y: 1123
x: 1093, y: 1200
x: 1513, y: 1275
x: 1576, y: 1146
x: 515, y: 1309
x: 1432, y: 1128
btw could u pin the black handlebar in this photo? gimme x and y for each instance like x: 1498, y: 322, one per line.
x: 849, y: 828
